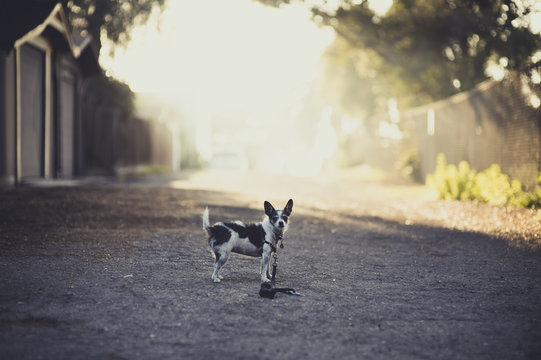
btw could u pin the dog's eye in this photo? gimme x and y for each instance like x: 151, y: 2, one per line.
x: 274, y: 218
x: 284, y: 217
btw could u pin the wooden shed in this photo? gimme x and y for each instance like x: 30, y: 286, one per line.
x: 42, y: 68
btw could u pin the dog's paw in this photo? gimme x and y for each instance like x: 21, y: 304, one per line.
x: 216, y: 279
x: 265, y: 280
x: 220, y: 277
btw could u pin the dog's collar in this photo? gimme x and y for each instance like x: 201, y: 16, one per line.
x: 273, y: 247
x: 278, y: 235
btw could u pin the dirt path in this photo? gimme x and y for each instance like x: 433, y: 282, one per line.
x: 121, y: 271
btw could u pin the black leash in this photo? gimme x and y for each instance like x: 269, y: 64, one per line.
x: 275, y: 258
x: 267, y: 291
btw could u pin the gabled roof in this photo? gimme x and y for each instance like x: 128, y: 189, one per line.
x: 21, y: 20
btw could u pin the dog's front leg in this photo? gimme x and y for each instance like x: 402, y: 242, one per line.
x: 264, y: 266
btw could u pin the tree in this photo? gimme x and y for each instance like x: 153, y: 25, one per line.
x: 114, y: 17
x: 425, y: 50
x: 350, y: 81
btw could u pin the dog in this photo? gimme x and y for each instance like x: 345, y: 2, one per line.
x: 256, y: 240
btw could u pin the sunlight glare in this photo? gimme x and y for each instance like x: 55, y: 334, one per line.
x: 380, y: 7
x: 227, y: 49
x: 215, y: 58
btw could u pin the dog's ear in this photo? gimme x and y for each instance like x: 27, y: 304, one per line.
x: 269, y: 209
x: 289, y: 207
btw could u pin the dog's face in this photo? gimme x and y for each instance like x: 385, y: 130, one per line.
x: 279, y: 218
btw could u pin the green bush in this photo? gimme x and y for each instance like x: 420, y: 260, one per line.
x: 450, y: 182
x: 491, y: 185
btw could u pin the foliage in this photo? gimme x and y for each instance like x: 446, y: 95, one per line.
x: 115, y: 93
x: 493, y: 186
x: 152, y: 169
x: 426, y: 50
x: 450, y: 182
x: 349, y: 82
x: 490, y: 185
x: 114, y: 17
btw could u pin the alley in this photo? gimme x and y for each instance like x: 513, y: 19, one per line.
x: 121, y: 270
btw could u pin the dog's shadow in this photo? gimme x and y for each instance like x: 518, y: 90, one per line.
x: 240, y: 277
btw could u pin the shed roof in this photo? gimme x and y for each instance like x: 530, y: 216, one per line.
x: 24, y: 19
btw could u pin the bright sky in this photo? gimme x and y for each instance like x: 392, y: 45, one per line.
x: 216, y: 57
x: 234, y: 54
x: 231, y: 54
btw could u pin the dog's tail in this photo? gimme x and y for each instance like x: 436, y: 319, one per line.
x: 206, y: 223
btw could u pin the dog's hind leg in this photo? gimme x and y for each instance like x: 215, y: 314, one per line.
x: 221, y: 259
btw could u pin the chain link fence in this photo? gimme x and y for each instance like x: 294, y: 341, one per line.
x: 498, y: 122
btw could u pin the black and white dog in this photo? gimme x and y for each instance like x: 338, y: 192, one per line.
x: 257, y: 240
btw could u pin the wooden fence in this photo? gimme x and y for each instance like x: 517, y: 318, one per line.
x: 112, y: 139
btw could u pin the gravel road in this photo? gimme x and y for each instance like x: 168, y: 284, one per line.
x: 122, y: 271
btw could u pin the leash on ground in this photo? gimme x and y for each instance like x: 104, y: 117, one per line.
x: 267, y: 291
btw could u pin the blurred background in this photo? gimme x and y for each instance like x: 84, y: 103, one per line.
x: 116, y: 87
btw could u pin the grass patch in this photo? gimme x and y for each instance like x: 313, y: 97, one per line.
x: 491, y: 185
